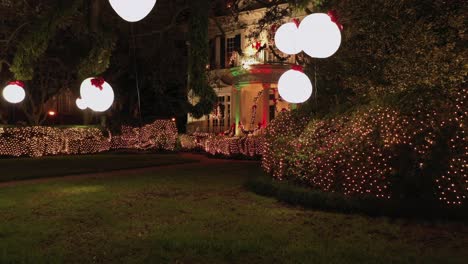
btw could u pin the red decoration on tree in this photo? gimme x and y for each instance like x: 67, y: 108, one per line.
x: 296, y: 21
x: 258, y: 45
x: 297, y: 68
x: 98, y: 82
x: 334, y: 18
x: 274, y: 27
x: 19, y: 83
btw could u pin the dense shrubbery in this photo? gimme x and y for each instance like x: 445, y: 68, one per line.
x: 42, y: 141
x: 249, y: 146
x: 160, y: 134
x: 378, y: 150
x: 390, y: 118
x: 298, y: 195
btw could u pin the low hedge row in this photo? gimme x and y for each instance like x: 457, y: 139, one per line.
x: 294, y: 194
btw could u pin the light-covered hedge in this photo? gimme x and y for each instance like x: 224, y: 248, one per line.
x: 249, y: 146
x: 377, y: 151
x: 43, y: 141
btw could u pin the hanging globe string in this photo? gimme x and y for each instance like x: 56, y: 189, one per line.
x: 287, y: 39
x: 294, y: 86
x: 132, y: 11
x: 319, y: 36
x: 96, y: 94
x: 14, y: 92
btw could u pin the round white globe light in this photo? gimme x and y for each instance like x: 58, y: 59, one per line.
x: 95, y: 98
x: 287, y: 39
x: 14, y: 93
x: 294, y: 87
x: 81, y: 104
x: 132, y: 10
x: 319, y: 36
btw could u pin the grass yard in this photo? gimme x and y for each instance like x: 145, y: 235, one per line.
x: 200, y: 213
x: 52, y: 166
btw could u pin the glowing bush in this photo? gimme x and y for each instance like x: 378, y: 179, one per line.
x: 376, y: 151
x: 43, y: 141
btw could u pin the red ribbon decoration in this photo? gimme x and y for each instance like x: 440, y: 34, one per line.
x: 98, y: 82
x: 297, y: 22
x: 258, y: 45
x: 297, y: 68
x: 334, y: 18
x: 19, y: 83
x: 274, y: 28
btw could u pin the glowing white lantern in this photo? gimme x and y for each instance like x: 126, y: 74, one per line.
x: 319, y: 36
x: 132, y: 10
x: 287, y: 39
x: 97, y: 94
x: 81, y: 104
x: 294, y: 87
x: 14, y: 92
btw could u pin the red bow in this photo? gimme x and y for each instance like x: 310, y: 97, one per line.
x: 334, y: 18
x: 98, y: 82
x: 297, y: 22
x: 19, y: 83
x: 257, y: 45
x: 297, y: 68
x: 274, y: 28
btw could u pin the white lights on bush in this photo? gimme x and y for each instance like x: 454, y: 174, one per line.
x: 294, y: 87
x: 96, y: 94
x: 287, y: 39
x: 14, y: 92
x: 132, y: 10
x: 319, y: 36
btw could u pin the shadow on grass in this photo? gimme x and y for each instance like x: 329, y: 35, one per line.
x: 296, y: 195
x: 58, y: 166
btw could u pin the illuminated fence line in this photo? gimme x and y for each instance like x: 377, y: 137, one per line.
x: 40, y: 141
x: 250, y: 146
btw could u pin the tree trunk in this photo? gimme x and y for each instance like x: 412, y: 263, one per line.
x: 95, y: 7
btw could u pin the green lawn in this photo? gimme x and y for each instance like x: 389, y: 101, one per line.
x: 200, y: 213
x: 33, y: 168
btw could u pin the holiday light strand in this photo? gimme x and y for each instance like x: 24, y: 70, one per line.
x: 40, y: 141
x: 362, y: 154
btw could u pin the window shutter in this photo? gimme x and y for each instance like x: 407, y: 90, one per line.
x: 212, y: 54
x: 222, y: 51
x: 237, y: 44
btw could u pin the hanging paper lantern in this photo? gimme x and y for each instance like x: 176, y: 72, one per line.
x: 294, y: 87
x: 97, y: 94
x: 14, y: 92
x: 287, y: 39
x: 319, y: 36
x: 81, y: 104
x: 132, y: 10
